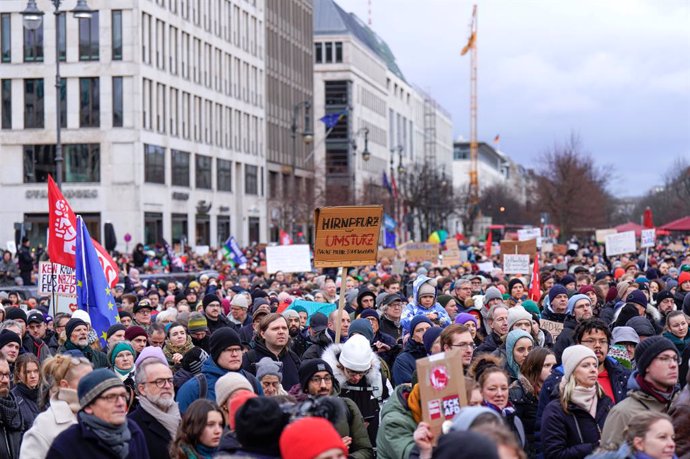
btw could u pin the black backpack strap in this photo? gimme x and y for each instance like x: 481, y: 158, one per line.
x: 203, y: 385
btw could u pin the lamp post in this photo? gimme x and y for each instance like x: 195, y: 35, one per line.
x: 366, y: 156
x: 397, y: 212
x: 32, y: 18
x: 308, y: 136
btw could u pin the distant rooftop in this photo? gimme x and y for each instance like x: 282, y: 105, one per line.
x: 330, y: 19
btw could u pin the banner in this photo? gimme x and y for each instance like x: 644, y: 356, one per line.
x: 62, y: 224
x: 232, y: 250
x: 620, y: 243
x: 288, y: 258
x: 346, y: 236
x: 600, y: 234
x: 515, y: 264
x: 648, y: 238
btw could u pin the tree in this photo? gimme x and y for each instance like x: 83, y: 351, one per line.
x: 498, y: 202
x: 573, y: 189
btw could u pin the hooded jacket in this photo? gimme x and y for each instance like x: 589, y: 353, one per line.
x: 414, y: 308
x: 406, y: 362
x: 319, y: 344
x: 395, y: 438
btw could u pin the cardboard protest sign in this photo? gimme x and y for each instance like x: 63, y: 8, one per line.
x: 519, y: 247
x: 398, y: 267
x: 417, y: 252
x: 386, y: 253
x: 451, y: 258
x: 515, y: 264
x: 452, y: 243
x: 555, y: 328
x: 620, y: 243
x: 560, y: 249
x: 346, y: 236
x: 288, y: 258
x: 441, y: 388
x: 600, y: 234
x: 547, y: 247
x: 530, y: 233
x: 648, y: 238
x: 58, y: 279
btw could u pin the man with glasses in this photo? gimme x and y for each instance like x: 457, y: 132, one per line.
x: 458, y: 337
x: 653, y: 387
x: 11, y: 423
x: 157, y: 415
x: 215, y: 320
x: 317, y: 380
x: 142, y: 314
x: 102, y: 428
x: 462, y: 291
x: 391, y: 313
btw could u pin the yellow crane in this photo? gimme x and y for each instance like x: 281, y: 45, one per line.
x: 471, y: 47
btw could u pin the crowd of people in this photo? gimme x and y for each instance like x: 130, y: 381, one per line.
x: 233, y: 365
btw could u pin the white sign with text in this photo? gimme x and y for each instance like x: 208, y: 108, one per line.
x: 620, y: 243
x: 288, y: 258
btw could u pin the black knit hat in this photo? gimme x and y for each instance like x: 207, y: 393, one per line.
x: 513, y: 282
x: 8, y: 336
x: 72, y: 324
x: 114, y: 329
x: 258, y: 425
x: 649, y: 349
x: 662, y: 295
x: 309, y: 368
x: 16, y: 314
x: 222, y: 339
x: 208, y: 299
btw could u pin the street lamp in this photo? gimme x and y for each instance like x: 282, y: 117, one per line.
x: 366, y: 155
x: 307, y: 137
x: 32, y: 18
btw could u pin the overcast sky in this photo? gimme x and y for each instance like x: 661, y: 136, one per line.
x: 614, y: 72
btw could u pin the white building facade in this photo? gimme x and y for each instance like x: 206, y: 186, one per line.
x: 163, y: 119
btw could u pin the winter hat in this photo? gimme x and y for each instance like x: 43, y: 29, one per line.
x: 35, y: 317
x: 686, y: 304
x: 468, y: 414
x: 94, y: 384
x: 208, y: 299
x: 516, y: 314
x: 513, y: 282
x: 637, y: 297
x: 149, y: 352
x: 114, y: 329
x: 124, y: 314
x: 663, y: 295
x: 572, y: 356
x: 240, y: 300
x: 222, y: 339
x: 193, y: 359
x: 573, y: 301
x: 361, y: 327
x: 267, y: 366
x: 473, y: 444
x: 228, y: 383
x: 683, y: 277
x: 368, y: 313
x: 586, y: 289
x: 307, y: 438
x: 258, y: 425
x: 624, y: 335
x: 72, y: 324
x: 236, y: 402
x: 444, y: 299
x: 16, y: 314
x: 556, y: 290
x: 133, y: 332
x: 197, y: 323
x: 289, y: 313
x: 119, y: 347
x: 511, y: 339
x: 492, y: 293
x: 356, y: 353
x: 648, y: 349
x: 642, y: 326
x: 416, y: 320
x: 8, y: 336
x: 318, y: 322
x: 426, y: 289
x: 464, y: 317
x: 429, y: 337
x: 310, y: 367
x: 169, y: 299
x: 568, y: 279
x: 363, y: 294
x: 531, y: 307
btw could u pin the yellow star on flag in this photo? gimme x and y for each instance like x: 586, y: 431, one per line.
x: 117, y: 318
x: 79, y: 283
x: 104, y: 335
x: 107, y: 291
x: 110, y: 305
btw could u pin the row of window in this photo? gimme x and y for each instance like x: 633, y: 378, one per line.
x: 89, y: 103
x: 155, y: 168
x: 154, y: 221
x: 328, y: 52
x: 81, y: 163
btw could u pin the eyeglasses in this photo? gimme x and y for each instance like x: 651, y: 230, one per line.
x: 395, y: 305
x: 590, y: 342
x: 321, y: 379
x: 113, y: 398
x: 356, y: 373
x: 233, y: 350
x: 464, y: 345
x: 161, y: 382
x: 668, y: 359
x: 6, y: 375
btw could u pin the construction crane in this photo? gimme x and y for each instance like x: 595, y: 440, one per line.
x: 471, y: 47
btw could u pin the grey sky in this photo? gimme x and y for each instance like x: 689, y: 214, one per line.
x: 614, y: 72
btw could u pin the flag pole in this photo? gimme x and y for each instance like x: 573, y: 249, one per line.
x: 341, y: 306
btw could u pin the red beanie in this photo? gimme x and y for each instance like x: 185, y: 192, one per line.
x: 237, y: 400
x: 684, y: 277
x: 618, y: 273
x: 307, y: 438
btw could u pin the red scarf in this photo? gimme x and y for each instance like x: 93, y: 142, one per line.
x: 665, y: 397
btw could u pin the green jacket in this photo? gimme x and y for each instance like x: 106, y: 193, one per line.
x: 353, y: 426
x: 97, y: 358
x: 395, y: 438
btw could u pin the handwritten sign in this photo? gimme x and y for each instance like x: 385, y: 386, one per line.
x: 648, y: 238
x: 288, y: 258
x: 519, y: 247
x: 619, y: 243
x: 555, y: 328
x: 486, y: 267
x: 346, y: 236
x: 515, y: 264
x: 600, y: 234
x: 417, y: 252
x: 386, y: 253
x: 56, y: 278
x: 528, y: 234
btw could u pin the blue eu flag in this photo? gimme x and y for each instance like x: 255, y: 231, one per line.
x: 93, y: 293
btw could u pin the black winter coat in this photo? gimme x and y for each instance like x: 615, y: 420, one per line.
x: 319, y: 344
x: 572, y: 435
x: 214, y: 325
x: 525, y: 404
x: 27, y: 403
x: 157, y: 437
x: 78, y: 442
x: 388, y: 327
x: 290, y: 362
x: 490, y: 344
x: 566, y: 338
x: 406, y: 362
x: 11, y: 427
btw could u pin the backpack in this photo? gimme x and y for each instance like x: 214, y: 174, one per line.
x: 203, y: 385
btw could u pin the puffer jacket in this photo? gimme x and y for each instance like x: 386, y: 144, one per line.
x: 395, y: 439
x: 406, y: 362
x: 413, y: 308
x: 680, y: 413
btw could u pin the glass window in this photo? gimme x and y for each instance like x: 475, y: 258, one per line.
x: 223, y: 228
x: 180, y: 168
x: 63, y: 103
x: 338, y: 51
x: 203, y: 230
x: 318, y: 52
x: 118, y: 107
x: 117, y: 34
x: 153, y: 227
x: 82, y: 163
x: 203, y: 172
x: 154, y: 164
x: 62, y: 37
x: 224, y: 172
x: 33, y: 103
x: 179, y: 228
x: 33, y: 44
x: 5, y: 37
x: 88, y: 38
x: 89, y: 102
x: 329, y: 52
x: 251, y: 179
x: 6, y: 104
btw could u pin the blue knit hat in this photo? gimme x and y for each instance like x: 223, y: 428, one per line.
x: 556, y: 290
x: 363, y: 327
x: 94, y: 384
x: 573, y: 301
x: 429, y: 337
x: 418, y: 320
x: 511, y: 339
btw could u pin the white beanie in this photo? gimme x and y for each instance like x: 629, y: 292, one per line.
x: 83, y: 315
x: 240, y: 300
x: 230, y: 382
x: 572, y: 356
x: 356, y: 354
x: 516, y: 314
x: 426, y: 289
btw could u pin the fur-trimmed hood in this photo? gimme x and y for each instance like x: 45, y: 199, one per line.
x: 373, y: 377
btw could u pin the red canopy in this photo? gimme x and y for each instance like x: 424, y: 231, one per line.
x: 630, y: 226
x: 682, y: 224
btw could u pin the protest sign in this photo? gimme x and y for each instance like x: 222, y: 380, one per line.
x: 560, y: 249
x: 398, y: 267
x: 12, y: 247
x: 451, y: 258
x: 547, y: 247
x: 620, y: 243
x: 555, y: 328
x: 386, y: 253
x: 418, y: 252
x: 519, y: 247
x: 441, y: 388
x: 515, y: 264
x: 648, y: 238
x: 529, y: 233
x: 55, y: 278
x: 346, y: 236
x: 452, y: 243
x: 486, y: 266
x: 288, y: 258
x: 600, y: 234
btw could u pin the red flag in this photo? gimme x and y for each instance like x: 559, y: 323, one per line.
x: 534, y: 287
x: 394, y: 187
x: 647, y: 220
x: 285, y: 238
x: 489, y: 242
x: 109, y: 266
x: 62, y: 233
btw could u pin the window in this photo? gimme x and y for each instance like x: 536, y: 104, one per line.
x: 203, y: 230
x: 224, y: 175
x: 179, y: 228
x: 33, y: 44
x: 89, y: 102
x: 338, y: 51
x: 318, y: 52
x: 117, y: 35
x: 153, y: 227
x: 223, y: 228
x: 251, y: 179
x: 33, y: 103
x: 82, y: 163
x: 118, y: 105
x: 5, y: 37
x: 180, y: 168
x: 329, y: 52
x: 6, y: 104
x: 273, y: 184
x: 204, y: 172
x: 154, y: 164
x: 62, y: 37
x: 63, y: 103
x: 88, y: 38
